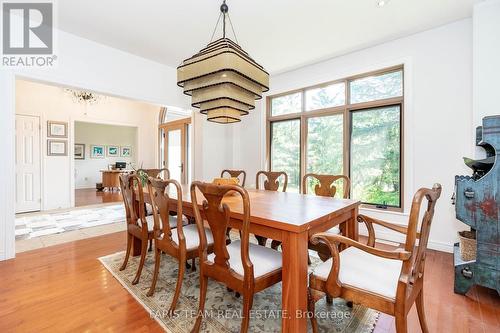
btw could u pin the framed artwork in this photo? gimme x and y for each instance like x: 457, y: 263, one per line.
x: 112, y: 151
x: 126, y: 151
x: 96, y: 151
x: 57, y: 148
x: 79, y: 151
x: 57, y: 129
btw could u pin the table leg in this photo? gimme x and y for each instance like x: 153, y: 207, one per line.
x: 294, y: 292
x: 352, y: 226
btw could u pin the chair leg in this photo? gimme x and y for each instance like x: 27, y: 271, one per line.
x: 329, y: 299
x: 421, y: 312
x: 127, y: 254
x: 401, y: 325
x: 311, y: 304
x: 180, y: 277
x: 155, y: 273
x: 201, y: 309
x: 144, y: 249
x: 193, y: 265
x: 247, y: 306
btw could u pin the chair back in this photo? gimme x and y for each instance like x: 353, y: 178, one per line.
x: 271, y: 183
x: 325, y: 186
x: 161, y: 201
x: 235, y: 174
x: 156, y: 173
x: 415, y: 266
x: 217, y: 214
x: 133, y: 198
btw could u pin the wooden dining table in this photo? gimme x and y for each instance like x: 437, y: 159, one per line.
x: 290, y: 218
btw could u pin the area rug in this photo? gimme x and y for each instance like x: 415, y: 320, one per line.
x: 37, y: 225
x: 222, y: 311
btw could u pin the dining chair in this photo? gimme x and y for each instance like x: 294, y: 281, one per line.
x: 271, y: 183
x: 163, y: 173
x: 244, y: 267
x: 139, y: 226
x: 182, y: 242
x: 387, y: 281
x: 235, y: 174
x: 324, y: 185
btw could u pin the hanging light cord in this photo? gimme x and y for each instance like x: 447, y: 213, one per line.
x: 224, y: 11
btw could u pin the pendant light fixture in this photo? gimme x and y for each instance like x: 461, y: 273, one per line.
x: 222, y: 79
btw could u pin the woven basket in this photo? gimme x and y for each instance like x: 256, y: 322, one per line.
x: 468, y: 245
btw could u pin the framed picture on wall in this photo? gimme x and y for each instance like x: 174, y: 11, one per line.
x: 96, y: 151
x: 126, y: 151
x: 112, y: 151
x: 57, y: 148
x: 79, y: 151
x: 57, y: 129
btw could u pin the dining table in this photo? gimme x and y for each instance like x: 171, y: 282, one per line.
x: 291, y: 218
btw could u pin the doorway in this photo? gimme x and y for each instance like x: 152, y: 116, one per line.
x: 175, y: 152
x: 28, y: 168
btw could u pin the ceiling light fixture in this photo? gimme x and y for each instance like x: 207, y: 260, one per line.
x: 382, y: 3
x: 84, y: 97
x: 222, y: 79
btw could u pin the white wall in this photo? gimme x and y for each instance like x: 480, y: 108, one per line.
x: 438, y: 113
x: 87, y: 171
x: 486, y: 59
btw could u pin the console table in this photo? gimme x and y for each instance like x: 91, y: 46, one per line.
x: 111, y: 180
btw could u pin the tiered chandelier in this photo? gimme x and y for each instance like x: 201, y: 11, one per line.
x: 222, y: 79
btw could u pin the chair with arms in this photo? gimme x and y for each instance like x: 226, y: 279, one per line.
x: 163, y: 173
x: 139, y: 226
x: 244, y: 267
x: 388, y: 281
x: 271, y: 183
x: 182, y: 242
x: 235, y: 174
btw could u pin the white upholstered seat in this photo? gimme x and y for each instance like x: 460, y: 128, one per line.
x: 192, y: 237
x: 335, y: 230
x: 365, y: 271
x: 264, y: 259
x: 172, y: 220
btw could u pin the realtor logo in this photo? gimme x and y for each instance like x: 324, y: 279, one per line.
x: 27, y: 29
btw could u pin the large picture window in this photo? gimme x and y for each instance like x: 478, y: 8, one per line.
x: 351, y: 126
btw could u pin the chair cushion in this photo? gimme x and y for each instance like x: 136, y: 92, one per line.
x: 335, y: 230
x: 171, y: 219
x: 192, y: 237
x: 264, y: 259
x: 365, y: 271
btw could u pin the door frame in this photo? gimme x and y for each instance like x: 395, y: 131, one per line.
x: 182, y: 125
x: 41, y: 160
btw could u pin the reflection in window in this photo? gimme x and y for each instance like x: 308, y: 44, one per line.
x: 285, y: 151
x: 325, y: 97
x: 375, y: 156
x: 286, y: 104
x: 373, y: 88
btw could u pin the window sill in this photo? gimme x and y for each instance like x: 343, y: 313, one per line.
x: 383, y: 211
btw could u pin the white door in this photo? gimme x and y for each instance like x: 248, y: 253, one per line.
x: 27, y: 164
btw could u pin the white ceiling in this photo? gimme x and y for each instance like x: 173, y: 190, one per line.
x: 279, y: 34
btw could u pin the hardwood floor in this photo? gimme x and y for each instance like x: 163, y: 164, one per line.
x: 89, y: 196
x: 64, y: 288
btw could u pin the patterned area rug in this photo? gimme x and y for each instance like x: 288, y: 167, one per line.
x: 48, y: 224
x: 222, y: 307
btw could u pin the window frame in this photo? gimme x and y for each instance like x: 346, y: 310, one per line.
x: 346, y: 110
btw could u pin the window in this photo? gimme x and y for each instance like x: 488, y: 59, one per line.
x: 285, y: 151
x: 351, y: 126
